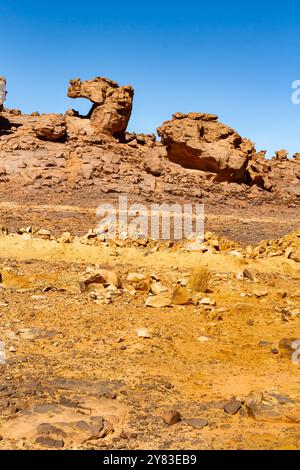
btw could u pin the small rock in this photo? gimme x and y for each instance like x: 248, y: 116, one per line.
x: 171, y: 417
x: 196, y: 423
x: 203, y: 339
x: 265, y: 343
x: 102, y: 276
x: 44, y: 234
x: 254, y: 398
x: 47, y: 428
x: 206, y: 301
x: 49, y: 442
x: 159, y: 301
x: 288, y: 252
x: 66, y: 237
x: 143, y: 333
x: 275, y: 351
x: 236, y: 253
x: 248, y: 274
x: 295, y: 255
x: 136, y: 277
x: 232, y: 406
x: 157, y: 288
x: 260, y: 293
x: 181, y: 296
x: 282, y: 399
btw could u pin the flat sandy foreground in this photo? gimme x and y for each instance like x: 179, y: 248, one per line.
x: 95, y: 368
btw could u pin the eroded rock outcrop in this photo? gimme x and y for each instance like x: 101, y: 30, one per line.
x: 70, y: 152
x: 258, y: 171
x: 112, y: 104
x: 198, y: 141
x: 279, y: 174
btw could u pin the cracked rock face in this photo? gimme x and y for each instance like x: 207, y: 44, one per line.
x: 198, y: 141
x: 112, y: 104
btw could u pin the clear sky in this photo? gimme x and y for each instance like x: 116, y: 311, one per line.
x: 233, y: 58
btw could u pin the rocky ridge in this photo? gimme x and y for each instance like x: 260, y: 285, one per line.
x: 197, y: 157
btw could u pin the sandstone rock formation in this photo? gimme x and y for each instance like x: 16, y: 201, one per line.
x: 285, y: 176
x: 69, y: 152
x: 112, y: 104
x: 199, y: 141
x: 279, y: 174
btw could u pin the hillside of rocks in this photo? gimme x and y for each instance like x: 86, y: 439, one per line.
x: 197, y: 156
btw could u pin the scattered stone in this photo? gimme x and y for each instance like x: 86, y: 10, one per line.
x: 248, y: 274
x: 44, y: 234
x: 49, y: 442
x: 159, y: 301
x: 47, y: 428
x: 136, y: 277
x: 171, y: 417
x: 295, y: 255
x: 66, y: 237
x: 265, y: 343
x: 206, y: 301
x: 196, y: 423
x: 282, y: 399
x: 181, y: 296
x: 143, y: 333
x: 260, y: 293
x: 254, y: 398
x: 203, y: 339
x: 236, y: 253
x: 102, y: 276
x: 158, y: 288
x: 232, y: 406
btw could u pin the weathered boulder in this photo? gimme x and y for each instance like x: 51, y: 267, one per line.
x: 285, y: 175
x: 198, y: 141
x: 153, y: 161
x: 112, y: 104
x: 279, y: 173
x: 51, y: 127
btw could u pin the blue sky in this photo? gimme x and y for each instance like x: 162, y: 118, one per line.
x: 235, y: 59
